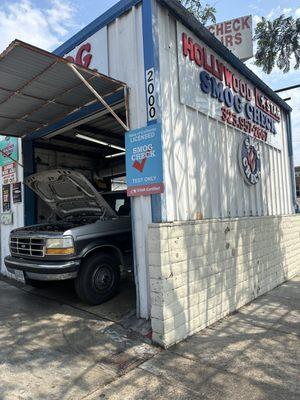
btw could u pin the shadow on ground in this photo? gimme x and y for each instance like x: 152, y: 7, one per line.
x: 53, y: 347
x: 53, y: 350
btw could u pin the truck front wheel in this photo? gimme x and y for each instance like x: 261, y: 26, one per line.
x: 98, y: 279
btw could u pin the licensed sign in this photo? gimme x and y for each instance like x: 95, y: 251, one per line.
x: 8, y: 149
x: 9, y: 173
x: 236, y: 35
x: 144, y: 171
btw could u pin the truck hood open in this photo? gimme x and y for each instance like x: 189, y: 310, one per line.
x: 69, y: 193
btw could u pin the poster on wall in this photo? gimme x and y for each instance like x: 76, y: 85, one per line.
x: 8, y: 149
x: 17, y: 192
x: 6, y: 204
x: 9, y: 173
x: 210, y: 85
x: 144, y: 172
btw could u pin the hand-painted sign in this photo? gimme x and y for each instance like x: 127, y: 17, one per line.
x: 9, y: 173
x: 236, y: 34
x: 93, y: 53
x: 8, y: 148
x: 230, y: 97
x: 249, y: 160
x: 144, y: 161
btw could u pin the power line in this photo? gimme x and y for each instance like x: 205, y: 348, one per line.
x: 287, y: 88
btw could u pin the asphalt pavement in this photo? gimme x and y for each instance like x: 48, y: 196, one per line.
x: 51, y: 348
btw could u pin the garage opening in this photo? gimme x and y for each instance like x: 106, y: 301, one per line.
x: 95, y: 148
x: 76, y: 120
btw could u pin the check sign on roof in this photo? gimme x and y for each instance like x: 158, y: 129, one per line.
x: 236, y: 35
x: 144, y: 161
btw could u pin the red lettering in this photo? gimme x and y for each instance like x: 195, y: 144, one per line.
x: 236, y: 24
x: 79, y: 59
x: 198, y: 54
x: 227, y: 27
x: 243, y: 89
x: 245, y: 22
x: 219, y: 29
x: 228, y: 77
x: 86, y: 60
x: 249, y: 94
x: 188, y: 47
x: 70, y: 58
x: 238, y: 38
x: 235, y: 83
x: 229, y: 41
x: 215, y: 71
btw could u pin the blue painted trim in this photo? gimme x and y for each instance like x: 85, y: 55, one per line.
x: 29, y: 196
x: 86, y: 111
x: 208, y: 38
x: 109, y: 16
x: 291, y: 157
x: 151, y: 60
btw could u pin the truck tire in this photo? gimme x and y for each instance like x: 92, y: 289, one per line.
x: 98, y: 279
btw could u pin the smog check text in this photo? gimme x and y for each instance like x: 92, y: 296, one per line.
x: 139, y: 153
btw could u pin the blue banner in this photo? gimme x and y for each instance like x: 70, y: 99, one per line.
x: 144, y: 170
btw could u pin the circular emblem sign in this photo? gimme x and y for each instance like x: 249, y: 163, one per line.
x: 249, y: 160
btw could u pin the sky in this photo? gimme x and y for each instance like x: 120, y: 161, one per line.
x: 48, y: 23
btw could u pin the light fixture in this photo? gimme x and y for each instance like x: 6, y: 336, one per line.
x: 90, y: 139
x: 115, y: 155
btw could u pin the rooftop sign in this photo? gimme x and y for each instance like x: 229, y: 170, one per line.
x: 236, y: 35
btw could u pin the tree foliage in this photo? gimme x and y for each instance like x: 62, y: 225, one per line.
x: 278, y: 43
x: 204, y: 14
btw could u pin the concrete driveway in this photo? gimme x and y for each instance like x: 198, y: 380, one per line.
x: 52, y: 350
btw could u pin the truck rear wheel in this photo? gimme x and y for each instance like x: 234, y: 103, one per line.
x: 98, y: 279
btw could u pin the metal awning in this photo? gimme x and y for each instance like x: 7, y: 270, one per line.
x: 37, y: 88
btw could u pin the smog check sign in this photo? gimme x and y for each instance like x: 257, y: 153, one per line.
x: 144, y: 161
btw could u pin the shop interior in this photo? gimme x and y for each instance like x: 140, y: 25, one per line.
x: 95, y: 147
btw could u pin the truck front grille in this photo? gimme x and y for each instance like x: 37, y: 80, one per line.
x: 32, y: 247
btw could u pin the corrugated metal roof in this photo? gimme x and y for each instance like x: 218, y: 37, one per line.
x: 37, y: 88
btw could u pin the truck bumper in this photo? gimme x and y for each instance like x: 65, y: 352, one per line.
x: 46, y: 271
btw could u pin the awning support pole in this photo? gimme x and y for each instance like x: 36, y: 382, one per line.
x: 97, y: 95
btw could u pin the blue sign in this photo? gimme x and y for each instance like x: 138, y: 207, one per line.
x: 144, y: 170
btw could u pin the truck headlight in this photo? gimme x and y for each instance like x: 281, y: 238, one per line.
x: 60, y: 246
